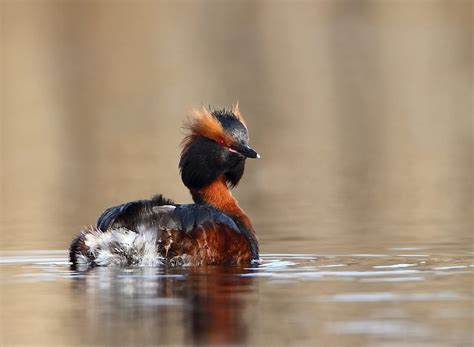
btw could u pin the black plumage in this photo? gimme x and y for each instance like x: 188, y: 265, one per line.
x: 128, y: 214
x: 151, y: 214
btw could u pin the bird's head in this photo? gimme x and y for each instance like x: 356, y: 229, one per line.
x: 216, y: 144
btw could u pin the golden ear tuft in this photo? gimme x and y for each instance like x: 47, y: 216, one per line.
x: 235, y: 109
x: 236, y: 112
x: 201, y: 122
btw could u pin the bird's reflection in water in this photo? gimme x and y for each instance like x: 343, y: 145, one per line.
x: 215, y: 302
x: 165, y: 306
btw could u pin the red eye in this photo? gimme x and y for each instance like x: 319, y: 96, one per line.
x: 221, y: 141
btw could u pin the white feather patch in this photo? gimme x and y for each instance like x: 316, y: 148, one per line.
x: 122, y: 247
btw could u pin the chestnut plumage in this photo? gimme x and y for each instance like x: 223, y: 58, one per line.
x: 213, y: 230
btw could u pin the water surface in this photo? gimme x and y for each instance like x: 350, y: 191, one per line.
x: 414, y: 296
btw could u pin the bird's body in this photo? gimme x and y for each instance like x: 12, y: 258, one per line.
x: 213, y: 230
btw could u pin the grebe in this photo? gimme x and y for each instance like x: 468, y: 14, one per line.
x: 213, y: 230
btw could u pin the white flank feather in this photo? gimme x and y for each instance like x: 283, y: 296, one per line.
x: 121, y: 247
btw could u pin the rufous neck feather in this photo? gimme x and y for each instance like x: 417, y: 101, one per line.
x: 218, y: 195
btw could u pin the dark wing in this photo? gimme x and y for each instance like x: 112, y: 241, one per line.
x: 129, y: 214
x: 190, y: 217
x: 110, y: 214
x: 162, y: 213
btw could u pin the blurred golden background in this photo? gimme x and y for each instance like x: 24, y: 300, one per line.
x: 361, y: 111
